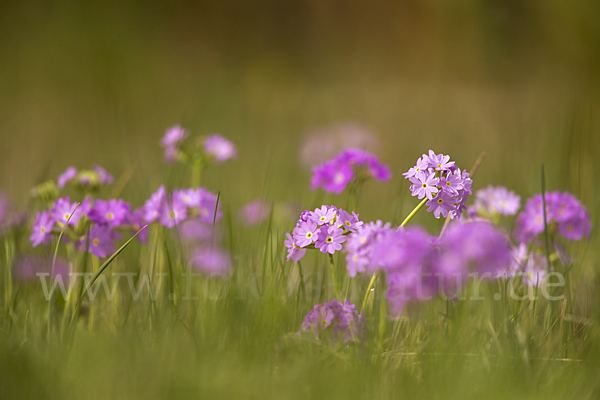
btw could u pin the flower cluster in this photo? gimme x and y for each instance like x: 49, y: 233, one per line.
x: 358, y: 247
x: 335, y: 321
x: 335, y: 174
x: 108, y: 217
x: 325, y: 228
x: 211, y: 148
x: 495, y: 200
x: 169, y: 209
x: 564, y: 213
x: 419, y: 267
x: 446, y: 187
x: 91, y: 179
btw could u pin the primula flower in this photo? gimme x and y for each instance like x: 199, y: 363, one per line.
x: 189, y: 197
x: 208, y: 209
x: 154, y: 204
x: 334, y: 175
x: 562, y: 210
x: 63, y: 208
x: 305, y: 233
x: 474, y: 247
x: 358, y: 247
x: 295, y: 253
x: 42, y: 229
x: 335, y: 321
x: 495, y: 200
x: 444, y: 184
x: 326, y: 228
x: 172, y: 212
x: 323, y: 215
x: 173, y: 136
x: 424, y: 185
x: 104, y: 176
x: 110, y: 212
x: 347, y: 221
x: 220, y: 148
x: 171, y: 141
x: 66, y: 177
x: 101, y: 242
x: 135, y: 220
x: 441, y: 204
x: 330, y: 239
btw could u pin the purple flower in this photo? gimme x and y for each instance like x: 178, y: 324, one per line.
x: 42, y: 229
x: 358, y: 247
x: 135, y: 219
x: 435, y: 175
x: 171, y: 141
x: 439, y: 162
x: 208, y: 207
x: 495, y: 200
x: 441, y: 204
x: 154, y: 204
x: 323, y: 215
x: 173, y: 136
x: 295, y: 253
x: 422, y: 165
x: 63, y: 208
x: 424, y: 185
x: 330, y: 239
x: 211, y: 261
x: 335, y: 321
x: 347, y: 221
x: 172, y: 212
x: 475, y: 246
x: 66, y: 177
x: 401, y: 250
x: 101, y: 242
x: 254, y: 212
x: 110, y: 212
x: 562, y: 209
x: 220, y: 148
x: 451, y: 184
x: 104, y: 176
x: 335, y: 174
x: 189, y: 197
x: 305, y: 233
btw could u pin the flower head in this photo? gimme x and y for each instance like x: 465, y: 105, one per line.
x: 334, y: 175
x: 211, y: 260
x: 42, y: 229
x: 219, y: 148
x: 330, y: 239
x: 446, y: 187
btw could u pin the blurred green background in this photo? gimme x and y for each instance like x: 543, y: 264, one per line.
x: 84, y: 82
x: 100, y: 82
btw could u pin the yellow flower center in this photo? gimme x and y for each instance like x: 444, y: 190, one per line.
x: 96, y: 241
x: 424, y: 186
x: 308, y: 235
x: 329, y: 239
x: 110, y: 216
x: 440, y: 201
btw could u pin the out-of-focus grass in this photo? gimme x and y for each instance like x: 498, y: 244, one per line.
x: 82, y: 84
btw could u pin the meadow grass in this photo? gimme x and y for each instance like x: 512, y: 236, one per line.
x: 84, y: 85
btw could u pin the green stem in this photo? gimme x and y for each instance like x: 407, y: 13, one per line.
x: 301, y: 281
x: 368, y: 293
x: 335, y: 282
x: 196, y: 174
x: 382, y: 323
x: 414, y: 212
